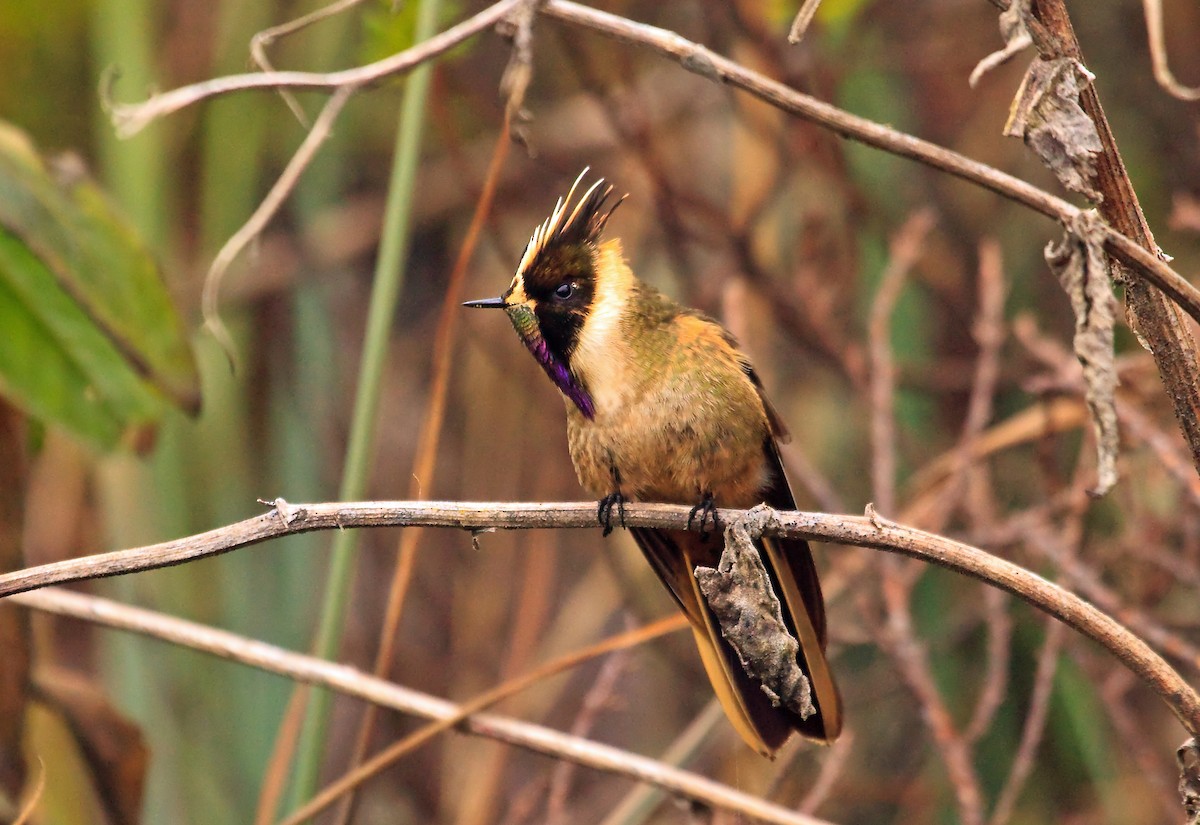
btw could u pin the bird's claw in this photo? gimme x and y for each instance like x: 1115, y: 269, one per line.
x: 604, y: 510
x: 707, y: 510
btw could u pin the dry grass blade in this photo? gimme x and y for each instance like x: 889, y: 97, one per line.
x: 275, y: 778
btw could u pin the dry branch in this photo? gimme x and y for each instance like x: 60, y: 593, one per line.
x: 873, y: 532
x: 352, y: 682
x: 708, y: 64
x: 129, y: 118
x: 1156, y: 321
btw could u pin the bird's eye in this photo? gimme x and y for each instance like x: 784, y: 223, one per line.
x: 563, y: 291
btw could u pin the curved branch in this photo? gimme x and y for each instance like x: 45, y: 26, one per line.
x: 708, y: 64
x: 352, y: 682
x: 131, y: 118
x: 873, y: 532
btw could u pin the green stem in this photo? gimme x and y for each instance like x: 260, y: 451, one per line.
x: 389, y: 278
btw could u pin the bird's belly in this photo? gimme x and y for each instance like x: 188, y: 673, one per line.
x: 670, y: 458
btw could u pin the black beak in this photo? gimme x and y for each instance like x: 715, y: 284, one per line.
x: 486, y: 303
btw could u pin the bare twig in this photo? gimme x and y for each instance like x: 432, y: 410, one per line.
x: 803, y: 19
x: 912, y: 660
x: 1035, y: 724
x: 264, y: 38
x: 898, y: 636
x: 906, y: 247
x: 284, y: 519
x: 994, y: 683
x: 831, y: 769
x: 989, y: 334
x: 1145, y: 753
x: 262, y: 215
x: 1066, y: 541
x: 131, y: 118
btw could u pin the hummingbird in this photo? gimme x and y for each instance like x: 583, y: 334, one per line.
x: 662, y: 406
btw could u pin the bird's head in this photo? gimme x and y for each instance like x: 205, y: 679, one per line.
x: 556, y: 283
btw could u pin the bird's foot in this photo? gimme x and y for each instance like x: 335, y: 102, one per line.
x: 707, y: 510
x: 604, y: 510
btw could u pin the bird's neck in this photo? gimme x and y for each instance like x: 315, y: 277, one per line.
x: 603, y: 356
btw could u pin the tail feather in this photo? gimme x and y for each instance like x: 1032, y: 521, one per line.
x: 674, y: 556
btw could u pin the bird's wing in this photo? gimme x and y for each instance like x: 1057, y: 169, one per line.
x: 674, y: 555
x: 794, y: 576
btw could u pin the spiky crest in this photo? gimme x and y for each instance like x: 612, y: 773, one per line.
x: 569, y: 226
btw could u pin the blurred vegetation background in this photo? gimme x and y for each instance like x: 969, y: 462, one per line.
x: 777, y: 227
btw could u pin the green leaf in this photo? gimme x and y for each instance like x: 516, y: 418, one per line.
x: 89, y: 339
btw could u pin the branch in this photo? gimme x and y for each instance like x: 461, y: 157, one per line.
x: 1157, y: 323
x: 876, y: 533
x: 131, y: 118
x: 352, y: 682
x: 708, y: 64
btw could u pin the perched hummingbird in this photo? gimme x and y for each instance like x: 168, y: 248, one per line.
x: 662, y: 407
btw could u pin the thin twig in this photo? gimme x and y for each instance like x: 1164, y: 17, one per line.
x: 905, y: 248
x: 989, y: 334
x: 912, y: 660
x: 832, y: 767
x: 1034, y: 726
x: 264, y: 38
x: 1066, y: 542
x: 352, y: 682
x: 131, y: 118
x: 1158, y: 54
x: 804, y: 17
x: 898, y: 636
x: 994, y: 682
x: 1146, y: 755
x: 266, y: 210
